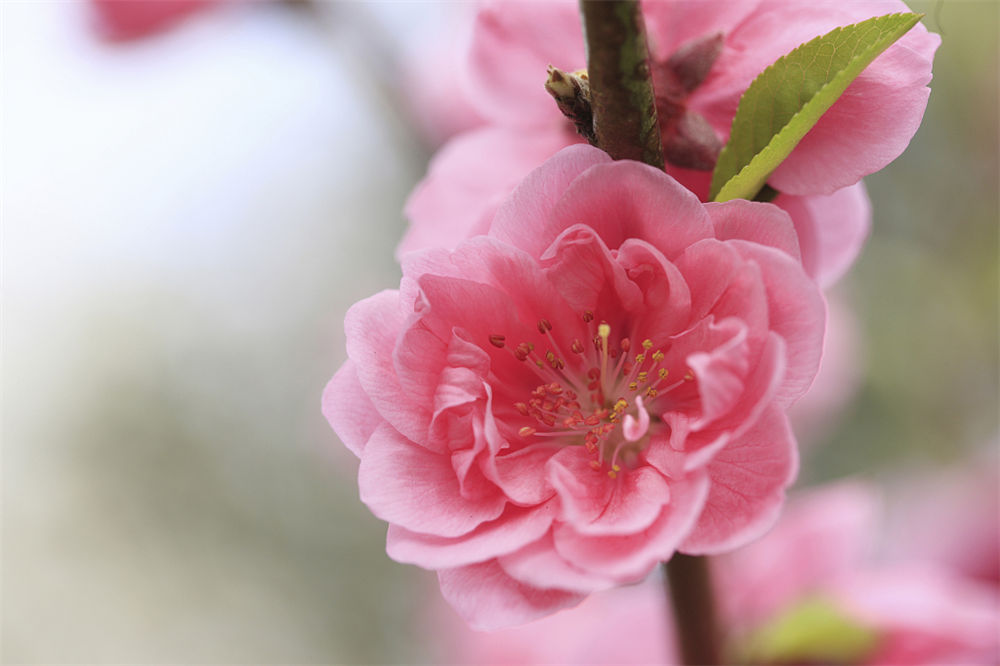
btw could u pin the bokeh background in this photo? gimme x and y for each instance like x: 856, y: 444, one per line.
x: 186, y: 219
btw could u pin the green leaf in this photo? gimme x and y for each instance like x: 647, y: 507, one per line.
x: 814, y: 632
x: 790, y: 96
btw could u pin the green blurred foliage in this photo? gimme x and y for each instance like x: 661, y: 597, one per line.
x: 925, y: 287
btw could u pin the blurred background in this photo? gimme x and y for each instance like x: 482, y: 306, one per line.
x: 187, y: 215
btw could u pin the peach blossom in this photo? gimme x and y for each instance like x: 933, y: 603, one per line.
x: 600, y: 380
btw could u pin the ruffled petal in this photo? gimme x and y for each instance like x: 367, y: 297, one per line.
x: 349, y: 410
x: 628, y: 558
x: 410, y: 486
x: 513, y: 529
x: 488, y: 598
x: 748, y: 481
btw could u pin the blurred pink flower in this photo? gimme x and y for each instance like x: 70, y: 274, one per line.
x: 433, y: 82
x: 820, y: 550
x: 705, y: 54
x: 555, y: 407
x: 951, y: 517
x: 123, y: 20
x: 840, y: 375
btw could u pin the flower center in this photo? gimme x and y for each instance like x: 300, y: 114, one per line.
x: 584, y: 398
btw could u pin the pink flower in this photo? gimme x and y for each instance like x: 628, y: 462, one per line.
x: 820, y: 550
x: 514, y: 42
x: 557, y: 406
x: 123, y: 20
x: 840, y: 375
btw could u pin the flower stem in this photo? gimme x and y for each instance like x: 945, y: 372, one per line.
x: 626, y: 127
x: 690, y: 587
x: 621, y: 89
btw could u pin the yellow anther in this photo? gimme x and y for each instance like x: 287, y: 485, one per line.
x: 633, y: 386
x: 652, y: 393
x: 612, y: 474
x: 663, y: 372
x: 643, y: 375
x: 688, y: 376
x: 657, y: 356
x: 640, y: 358
x: 616, y: 468
x: 647, y: 344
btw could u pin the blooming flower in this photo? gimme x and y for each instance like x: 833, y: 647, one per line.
x: 816, y: 557
x: 556, y: 406
x: 704, y: 55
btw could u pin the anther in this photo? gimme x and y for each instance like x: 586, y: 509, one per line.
x: 647, y: 344
x: 544, y: 326
x: 526, y: 431
x: 626, y: 344
x: 588, y: 316
x: 577, y: 346
x: 497, y: 341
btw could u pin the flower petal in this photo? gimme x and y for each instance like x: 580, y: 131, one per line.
x: 408, y: 485
x: 748, y: 481
x: 831, y: 229
x: 630, y: 557
x: 348, y: 409
x: 488, y: 598
x: 512, y: 530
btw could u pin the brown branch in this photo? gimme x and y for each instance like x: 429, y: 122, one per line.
x: 621, y: 90
x: 692, y: 597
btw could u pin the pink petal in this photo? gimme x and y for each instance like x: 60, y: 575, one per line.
x: 748, y: 480
x: 522, y: 216
x: 656, y: 208
x: 512, y: 530
x: 521, y: 474
x: 593, y: 503
x: 347, y: 407
x: 490, y: 599
x: 539, y: 564
x: 823, y: 536
x: 831, y: 229
x: 588, y: 276
x: 372, y: 327
x: 720, y: 372
x: 468, y: 179
x: 670, y: 25
x: 796, y: 311
x: 757, y: 222
x: 666, y: 296
x: 410, y: 486
x: 512, y: 44
x: 629, y: 558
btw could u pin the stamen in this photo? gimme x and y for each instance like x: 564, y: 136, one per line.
x: 497, y: 341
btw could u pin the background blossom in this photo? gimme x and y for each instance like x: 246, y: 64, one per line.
x: 513, y: 43
x: 821, y: 552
